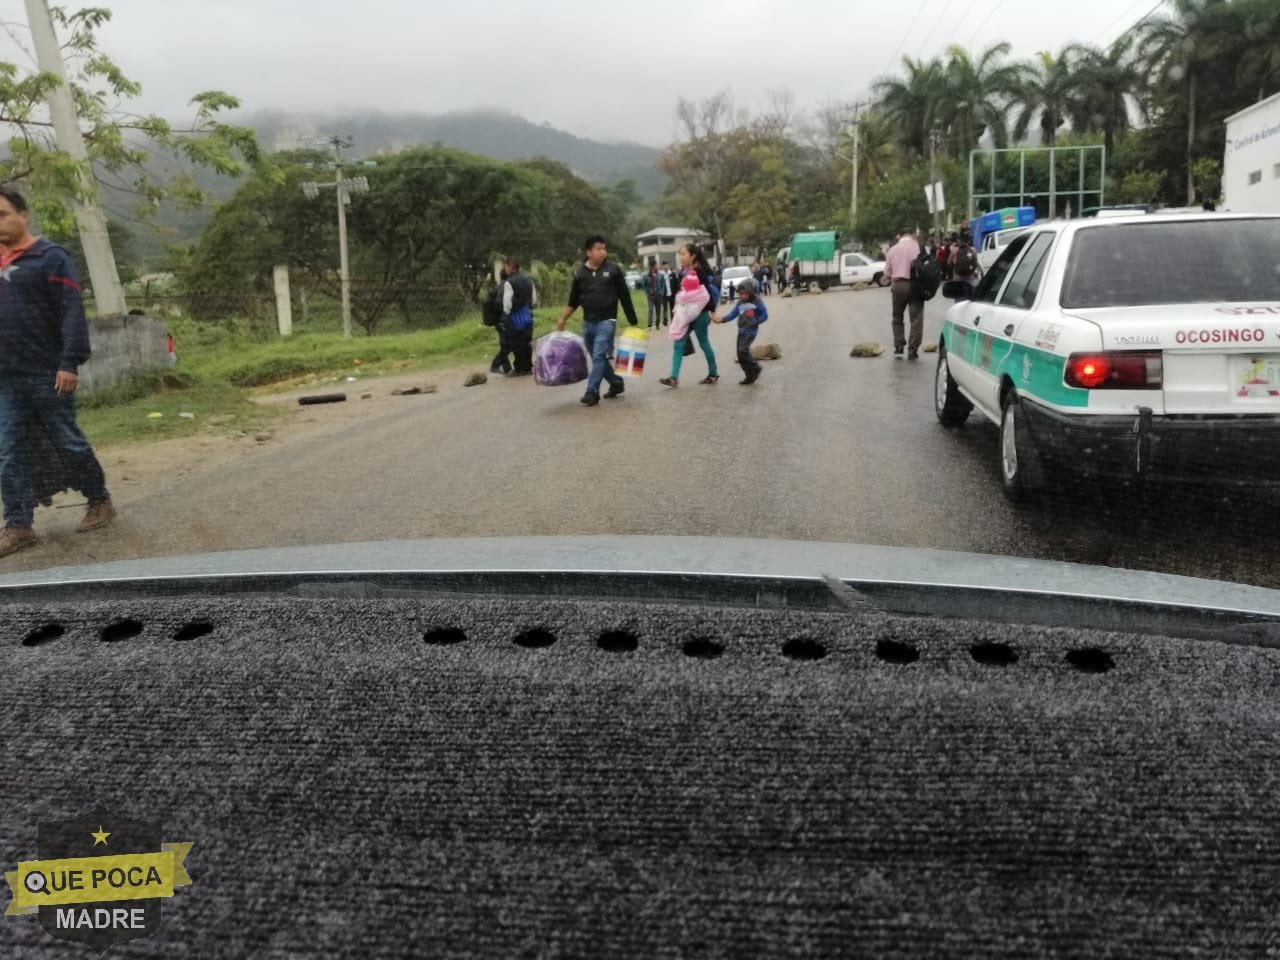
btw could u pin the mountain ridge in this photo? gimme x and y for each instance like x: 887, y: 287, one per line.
x: 489, y: 131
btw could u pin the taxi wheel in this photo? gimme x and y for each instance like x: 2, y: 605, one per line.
x: 948, y: 402
x: 1021, y: 466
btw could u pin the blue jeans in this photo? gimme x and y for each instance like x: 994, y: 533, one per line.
x: 29, y: 407
x: 599, y: 339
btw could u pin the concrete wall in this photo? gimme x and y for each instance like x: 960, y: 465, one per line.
x: 122, y: 347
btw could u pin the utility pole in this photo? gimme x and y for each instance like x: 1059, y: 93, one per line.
x: 934, y: 136
x: 857, y: 137
x: 343, y: 189
x: 108, y: 294
x: 857, y: 152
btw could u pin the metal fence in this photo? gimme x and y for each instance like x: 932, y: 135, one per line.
x: 1056, y: 181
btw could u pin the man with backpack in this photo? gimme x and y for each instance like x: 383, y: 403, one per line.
x: 519, y: 298
x: 964, y: 262
x: 906, y: 267
x: 943, y: 256
x: 491, y: 311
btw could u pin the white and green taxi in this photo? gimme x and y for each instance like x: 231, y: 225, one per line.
x: 1124, y: 347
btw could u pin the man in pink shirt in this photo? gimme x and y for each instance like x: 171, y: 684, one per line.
x: 897, y: 267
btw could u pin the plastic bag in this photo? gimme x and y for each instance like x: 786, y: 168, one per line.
x: 560, y: 358
x: 632, y: 347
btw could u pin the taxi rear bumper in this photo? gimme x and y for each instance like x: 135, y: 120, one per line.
x: 1219, y: 448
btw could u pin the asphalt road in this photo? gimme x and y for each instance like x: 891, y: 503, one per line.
x: 824, y: 447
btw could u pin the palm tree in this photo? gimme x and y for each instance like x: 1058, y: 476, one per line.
x: 1105, y: 83
x: 1179, y: 49
x: 913, y: 103
x: 1048, y: 92
x: 877, y: 151
x: 977, y: 94
x: 1259, y: 67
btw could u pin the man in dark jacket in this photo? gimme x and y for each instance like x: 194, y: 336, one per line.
x: 495, y: 318
x: 44, y: 338
x: 519, y: 298
x: 599, y: 287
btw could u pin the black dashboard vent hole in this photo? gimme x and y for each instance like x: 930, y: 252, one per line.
x: 45, y: 634
x: 618, y: 641
x: 193, y: 631
x: 538, y: 638
x: 994, y: 654
x: 703, y: 649
x: 444, y: 636
x: 1090, y: 660
x: 893, y: 651
x: 121, y: 630
x: 802, y: 648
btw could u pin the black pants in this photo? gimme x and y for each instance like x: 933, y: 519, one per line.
x: 502, y: 360
x: 750, y: 365
x: 521, y: 342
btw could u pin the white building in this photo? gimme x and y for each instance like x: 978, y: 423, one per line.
x: 1251, y: 167
x: 661, y: 243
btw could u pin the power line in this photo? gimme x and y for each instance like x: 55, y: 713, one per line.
x: 898, y: 48
x: 965, y: 15
x: 920, y: 51
x: 990, y: 13
x: 1107, y: 29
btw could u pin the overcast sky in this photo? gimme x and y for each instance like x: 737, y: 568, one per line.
x: 610, y: 71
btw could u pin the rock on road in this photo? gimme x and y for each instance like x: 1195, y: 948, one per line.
x: 824, y: 447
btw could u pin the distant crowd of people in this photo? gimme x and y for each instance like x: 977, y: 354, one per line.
x: 955, y: 255
x: 682, y: 300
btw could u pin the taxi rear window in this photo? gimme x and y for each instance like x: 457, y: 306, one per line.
x: 1174, y: 261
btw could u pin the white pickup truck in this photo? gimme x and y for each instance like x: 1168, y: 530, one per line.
x: 840, y: 269
x: 1102, y: 347
x: 993, y: 245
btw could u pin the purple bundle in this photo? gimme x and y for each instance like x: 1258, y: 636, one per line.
x: 560, y: 359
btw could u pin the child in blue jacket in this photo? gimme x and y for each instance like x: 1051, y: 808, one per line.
x: 750, y: 312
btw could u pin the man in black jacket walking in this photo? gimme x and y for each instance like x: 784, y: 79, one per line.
x: 599, y: 286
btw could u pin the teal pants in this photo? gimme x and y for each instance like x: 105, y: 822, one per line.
x: 698, y: 329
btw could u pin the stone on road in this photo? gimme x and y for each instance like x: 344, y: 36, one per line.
x: 822, y: 448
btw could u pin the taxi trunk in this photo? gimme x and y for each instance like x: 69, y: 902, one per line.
x: 1217, y: 358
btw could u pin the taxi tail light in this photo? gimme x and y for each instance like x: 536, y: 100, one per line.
x: 1116, y: 370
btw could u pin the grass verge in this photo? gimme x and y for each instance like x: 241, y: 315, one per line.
x: 219, y: 369
x: 123, y: 414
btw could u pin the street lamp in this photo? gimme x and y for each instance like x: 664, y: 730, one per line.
x: 344, y: 189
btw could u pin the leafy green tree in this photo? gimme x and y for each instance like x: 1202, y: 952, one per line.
x: 573, y: 210
x: 976, y: 94
x: 1139, y: 186
x: 1107, y: 82
x: 423, y: 241
x: 1259, y: 66
x: 119, y: 144
x: 914, y: 103
x: 269, y: 221
x: 1181, y: 49
x: 1048, y: 95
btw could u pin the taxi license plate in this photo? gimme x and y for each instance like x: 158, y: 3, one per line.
x: 1256, y: 377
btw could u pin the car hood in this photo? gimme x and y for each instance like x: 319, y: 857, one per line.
x: 779, y: 572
